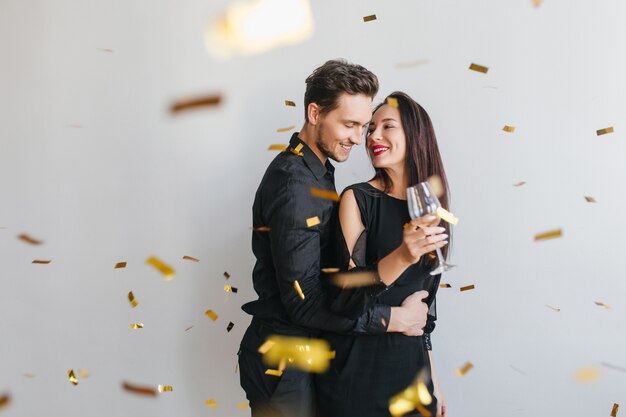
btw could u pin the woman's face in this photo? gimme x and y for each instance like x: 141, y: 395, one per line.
x: 386, y: 141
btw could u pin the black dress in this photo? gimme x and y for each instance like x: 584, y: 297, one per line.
x: 370, y: 369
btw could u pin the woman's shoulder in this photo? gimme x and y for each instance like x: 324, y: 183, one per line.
x: 360, y: 187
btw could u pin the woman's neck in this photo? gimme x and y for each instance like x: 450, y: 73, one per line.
x: 399, y: 182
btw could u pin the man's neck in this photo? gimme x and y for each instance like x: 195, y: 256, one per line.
x: 308, y: 135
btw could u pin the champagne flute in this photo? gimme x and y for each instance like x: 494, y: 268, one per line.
x: 422, y: 201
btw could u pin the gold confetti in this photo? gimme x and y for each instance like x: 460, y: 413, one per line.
x: 243, y: 406
x: 261, y: 229
x: 120, y: 265
x: 553, y: 308
x: 311, y: 355
x: 167, y: 271
x: 136, y: 326
x: 549, y: 235
x: 230, y: 326
x: 447, y: 216
x: 465, y: 369
x: 41, y: 261
x: 194, y: 103
x: 519, y: 184
x: 139, y: 390
x: 393, y: 102
x: 297, y: 150
x: 537, y: 3
x: 191, y: 258
x: 383, y: 321
x: 230, y: 288
x: 296, y: 285
x: 479, y: 68
x: 598, y: 303
x: 588, y: 374
x: 211, y: 403
x: 325, y: 194
x: 369, y: 18
x: 226, y: 275
x: 445, y: 286
x: 416, y: 396
x: 273, y: 372
x: 106, y: 50
x: 312, y: 221
x: 165, y: 388
x: 28, y: 375
x: 5, y: 400
x: 290, y: 103
x: 277, y: 147
x: 604, y: 131
x: 73, y: 379
x: 509, y: 129
x: 330, y: 270
x: 590, y: 199
x: 132, y: 300
x: 467, y: 288
x: 83, y: 373
x: 355, y: 279
x: 615, y: 410
x: 265, y: 347
x: 286, y: 129
x: 436, y: 185
x: 411, y: 64
x: 211, y: 314
x: 29, y: 239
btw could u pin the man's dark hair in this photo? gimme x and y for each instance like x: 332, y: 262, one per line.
x: 335, y: 77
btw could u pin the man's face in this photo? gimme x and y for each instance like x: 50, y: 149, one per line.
x: 343, y: 127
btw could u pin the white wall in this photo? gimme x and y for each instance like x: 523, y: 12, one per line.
x: 133, y: 181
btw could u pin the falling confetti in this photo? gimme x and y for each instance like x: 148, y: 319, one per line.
x: 297, y: 150
x: 165, y: 388
x: 296, y: 285
x: 230, y: 326
x: 393, y: 102
x: 261, y: 229
x: 355, y: 279
x: 590, y: 199
x: 5, y: 400
x: 83, y: 373
x: 325, y: 194
x: 615, y: 410
x: 517, y: 370
x: 465, y: 369
x: 120, y: 265
x: 467, y: 288
x: 41, y: 261
x: 285, y: 129
x: 243, y: 406
x: 273, y: 372
x: 211, y: 314
x: 553, y: 308
x: 537, y: 3
x: 72, y: 377
x: 509, y: 129
x: 106, y: 50
x: 445, y: 286
x: 519, y: 184
x: 277, y: 147
x: 312, y: 221
x: 290, y: 103
x: 311, y: 355
x: 614, y: 367
x: 131, y: 299
x: 447, y: 216
x: 369, y: 18
x: 139, y: 390
x: 189, y: 328
x: 167, y: 271
x: 191, y: 258
x: 598, y: 303
x: 413, y: 397
x: 265, y: 347
x: 226, y: 275
x: 28, y: 375
x: 29, y: 239
x: 136, y: 326
x: 229, y: 288
x: 604, y: 131
x: 549, y: 235
x: 479, y: 68
x: 194, y: 103
x: 211, y: 403
x: 588, y: 374
x: 330, y: 270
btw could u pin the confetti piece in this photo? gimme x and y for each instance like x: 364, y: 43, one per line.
x: 598, y: 303
x: 590, y: 199
x: 445, y: 286
x: 290, y: 103
x: 211, y: 403
x: 383, y: 322
x: 165, y: 388
x: 312, y: 221
x: 106, y: 50
x: 162, y: 267
x: 393, y: 102
x: 311, y: 355
x: 29, y: 239
x: 325, y: 194
x: 553, y: 308
x: 120, y: 265
x: 211, y: 314
x: 265, y: 347
x: 479, y: 68
x: 277, y: 147
x: 226, y: 275
x: 286, y: 129
x: 369, y: 18
x: 194, y: 103
x: 588, y: 375
x: 230, y: 326
x: 615, y: 367
x: 296, y: 285
x: 436, y: 185
x: 465, y: 369
x: 411, y: 64
x: 297, y: 150
x: 416, y: 396
x: 136, y: 326
x: 73, y: 379
x: 28, y: 375
x: 273, y: 372
x: 537, y: 3
x: 83, y: 373
x: 509, y: 129
x: 243, y: 406
x: 604, y: 131
x: 467, y: 288
x: 131, y: 299
x: 5, y: 400
x: 261, y: 229
x: 355, y: 279
x: 517, y: 370
x: 615, y: 410
x: 229, y: 288
x: 189, y: 328
x: 447, y: 216
x: 41, y: 261
x: 191, y: 258
x: 549, y: 235
x: 432, y: 255
x: 139, y: 390
x: 330, y: 270
x: 519, y: 184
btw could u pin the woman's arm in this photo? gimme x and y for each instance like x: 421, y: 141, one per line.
x: 442, y: 405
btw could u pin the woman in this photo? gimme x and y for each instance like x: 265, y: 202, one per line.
x: 369, y: 370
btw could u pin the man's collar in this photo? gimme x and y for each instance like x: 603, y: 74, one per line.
x: 311, y: 160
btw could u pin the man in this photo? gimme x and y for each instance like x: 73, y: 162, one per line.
x: 293, y: 241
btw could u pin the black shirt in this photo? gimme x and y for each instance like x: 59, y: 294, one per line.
x: 294, y: 248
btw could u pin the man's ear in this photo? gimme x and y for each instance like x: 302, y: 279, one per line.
x: 313, y: 112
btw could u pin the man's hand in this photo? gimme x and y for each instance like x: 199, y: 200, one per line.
x: 410, y: 317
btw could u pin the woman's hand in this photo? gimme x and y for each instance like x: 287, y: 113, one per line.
x: 442, y: 404
x: 420, y: 239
